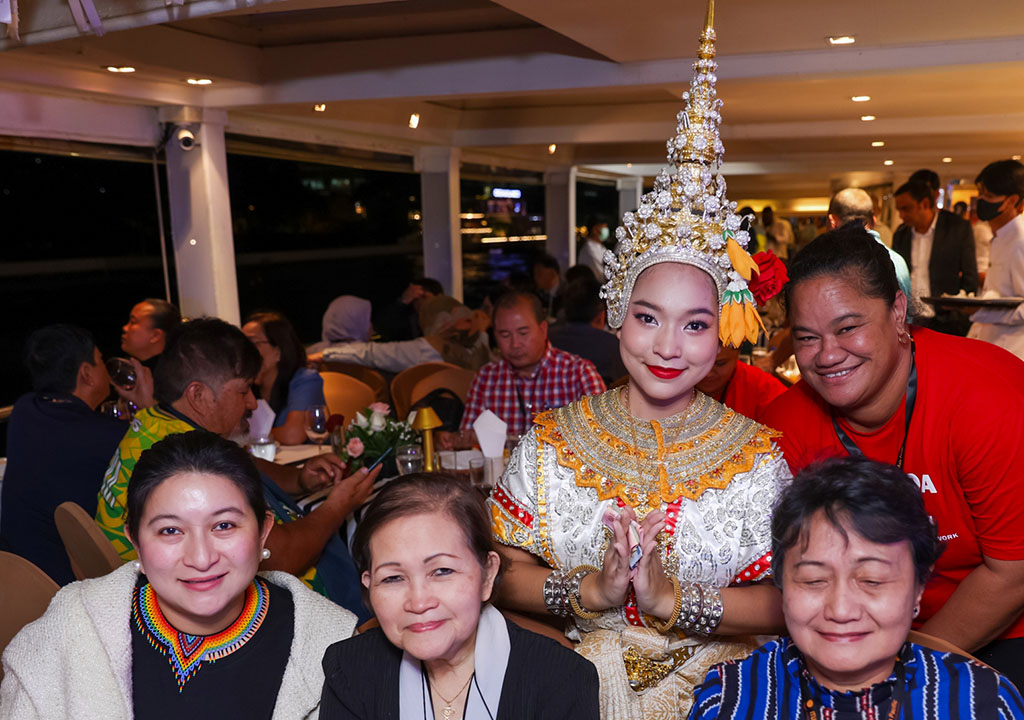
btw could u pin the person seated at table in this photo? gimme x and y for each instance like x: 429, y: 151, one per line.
x: 400, y: 320
x: 741, y: 387
x: 204, y: 381
x: 57, y: 444
x: 347, y: 319
x: 583, y: 333
x: 144, y: 336
x: 284, y: 381
x: 191, y: 629
x: 949, y: 411
x: 442, y: 650
x: 852, y: 549
x: 450, y: 335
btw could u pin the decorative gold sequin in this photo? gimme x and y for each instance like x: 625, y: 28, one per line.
x: 644, y: 673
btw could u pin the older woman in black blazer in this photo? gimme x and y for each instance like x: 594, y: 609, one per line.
x: 425, y: 551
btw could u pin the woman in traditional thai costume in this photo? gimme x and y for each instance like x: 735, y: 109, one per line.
x: 190, y: 629
x: 643, y: 514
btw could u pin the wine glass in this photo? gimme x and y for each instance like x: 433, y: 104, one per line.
x: 122, y: 372
x: 316, y: 425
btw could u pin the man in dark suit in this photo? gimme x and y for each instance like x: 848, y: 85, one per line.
x: 939, y: 249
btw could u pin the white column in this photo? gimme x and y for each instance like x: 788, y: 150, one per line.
x: 560, y: 214
x: 630, y: 189
x: 204, y: 248
x: 442, y: 232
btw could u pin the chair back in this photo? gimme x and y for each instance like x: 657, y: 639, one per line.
x: 405, y: 381
x: 346, y: 395
x: 25, y: 593
x: 91, y: 553
x: 360, y: 372
x: 456, y: 379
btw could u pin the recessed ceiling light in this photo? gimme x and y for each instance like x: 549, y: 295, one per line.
x: 887, y: 162
x: 414, y: 120
x: 861, y: 98
x: 629, y: 164
x: 947, y: 159
x: 120, y: 69
x: 1015, y: 157
x: 551, y: 149
x: 199, y: 81
x: 878, y: 143
x: 320, y: 107
x: 867, y: 118
x: 842, y: 40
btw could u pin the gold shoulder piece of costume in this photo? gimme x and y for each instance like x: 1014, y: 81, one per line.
x: 653, y: 462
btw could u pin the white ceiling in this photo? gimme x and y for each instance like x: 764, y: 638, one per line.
x: 600, y: 79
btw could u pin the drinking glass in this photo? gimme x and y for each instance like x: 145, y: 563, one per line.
x: 316, y: 425
x: 122, y: 372
x: 409, y: 459
x: 476, y: 473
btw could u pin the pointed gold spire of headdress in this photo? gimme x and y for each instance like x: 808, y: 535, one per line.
x: 687, y: 218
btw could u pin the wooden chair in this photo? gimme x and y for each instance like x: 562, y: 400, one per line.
x: 455, y: 379
x: 405, y: 381
x: 346, y: 395
x: 91, y: 553
x: 360, y: 372
x: 25, y: 593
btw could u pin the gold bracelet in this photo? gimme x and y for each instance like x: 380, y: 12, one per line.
x: 676, y: 608
x: 574, y: 579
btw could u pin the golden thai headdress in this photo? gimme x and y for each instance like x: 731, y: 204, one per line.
x: 686, y: 218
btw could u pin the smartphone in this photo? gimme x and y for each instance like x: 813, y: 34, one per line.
x: 319, y: 495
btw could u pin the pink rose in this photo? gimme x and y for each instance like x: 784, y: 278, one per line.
x: 354, y: 448
x: 380, y: 407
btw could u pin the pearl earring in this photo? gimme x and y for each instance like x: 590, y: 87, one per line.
x: 137, y: 565
x: 265, y: 554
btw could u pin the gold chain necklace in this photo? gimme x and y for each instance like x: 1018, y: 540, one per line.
x: 448, y: 711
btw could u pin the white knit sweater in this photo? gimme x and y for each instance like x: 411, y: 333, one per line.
x: 76, y: 660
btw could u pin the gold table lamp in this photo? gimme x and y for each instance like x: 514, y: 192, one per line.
x: 426, y: 421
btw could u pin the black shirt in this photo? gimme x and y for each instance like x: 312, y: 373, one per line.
x: 243, y: 684
x: 57, y: 450
x: 590, y: 343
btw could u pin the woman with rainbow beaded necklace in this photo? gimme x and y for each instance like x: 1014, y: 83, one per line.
x: 643, y: 514
x: 190, y: 629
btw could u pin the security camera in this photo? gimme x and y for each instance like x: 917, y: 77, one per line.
x: 186, y: 139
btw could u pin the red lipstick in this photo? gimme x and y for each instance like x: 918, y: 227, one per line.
x: 663, y: 372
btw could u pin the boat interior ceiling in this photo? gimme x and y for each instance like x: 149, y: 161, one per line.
x: 531, y: 84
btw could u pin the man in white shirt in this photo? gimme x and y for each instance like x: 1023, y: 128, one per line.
x: 939, y: 249
x: 592, y: 252
x: 1000, y: 203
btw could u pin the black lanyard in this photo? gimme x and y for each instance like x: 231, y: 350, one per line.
x: 812, y: 707
x: 851, y: 446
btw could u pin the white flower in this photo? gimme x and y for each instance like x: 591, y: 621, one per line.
x: 644, y: 211
x: 732, y: 222
x: 378, y: 421
x: 711, y: 203
x: 620, y: 233
x: 742, y: 237
x: 664, y: 198
x: 652, y: 231
x: 361, y: 421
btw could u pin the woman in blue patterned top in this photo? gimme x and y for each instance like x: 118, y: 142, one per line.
x: 852, y: 549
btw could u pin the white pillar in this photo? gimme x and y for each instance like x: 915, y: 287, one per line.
x: 560, y: 214
x: 630, y: 189
x: 442, y: 231
x: 204, y: 248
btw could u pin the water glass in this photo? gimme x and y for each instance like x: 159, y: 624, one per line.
x: 409, y: 459
x: 476, y: 473
x: 122, y: 372
x: 263, y: 447
x: 316, y: 424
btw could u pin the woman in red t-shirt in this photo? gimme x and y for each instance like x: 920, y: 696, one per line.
x: 947, y: 410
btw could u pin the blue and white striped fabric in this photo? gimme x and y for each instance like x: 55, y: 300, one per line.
x: 766, y: 685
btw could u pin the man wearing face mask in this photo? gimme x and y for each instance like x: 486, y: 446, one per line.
x: 592, y: 252
x: 1000, y: 202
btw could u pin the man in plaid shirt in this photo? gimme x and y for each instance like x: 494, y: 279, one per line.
x: 532, y: 376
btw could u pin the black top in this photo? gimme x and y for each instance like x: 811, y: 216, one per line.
x: 543, y: 680
x: 57, y: 450
x: 243, y: 684
x: 590, y: 343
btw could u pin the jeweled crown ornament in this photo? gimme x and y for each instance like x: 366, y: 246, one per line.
x: 687, y: 218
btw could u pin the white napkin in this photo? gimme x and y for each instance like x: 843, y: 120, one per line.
x: 490, y: 433
x: 262, y: 420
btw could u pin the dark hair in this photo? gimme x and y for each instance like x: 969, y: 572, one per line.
x: 165, y: 315
x: 1003, y: 177
x: 429, y: 285
x: 960, y: 208
x: 281, y: 335
x: 548, y: 261
x: 512, y: 298
x: 849, y: 251
x: 421, y: 493
x: 917, y: 189
x: 581, y: 302
x: 875, y: 500
x: 196, y: 451
x: 53, y: 355
x: 206, y: 350
x: 579, y: 272
x: 928, y: 177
